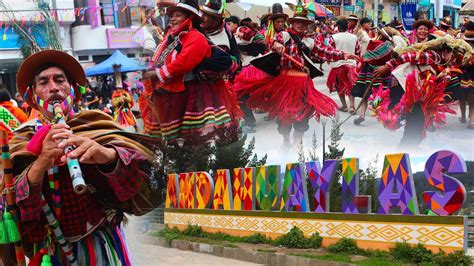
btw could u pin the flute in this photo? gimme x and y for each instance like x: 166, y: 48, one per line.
x: 75, y: 171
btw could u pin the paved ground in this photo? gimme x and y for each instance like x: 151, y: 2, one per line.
x: 146, y: 255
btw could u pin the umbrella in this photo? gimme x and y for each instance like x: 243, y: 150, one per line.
x: 117, y: 58
x: 319, y: 10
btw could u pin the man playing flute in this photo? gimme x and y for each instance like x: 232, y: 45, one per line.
x: 114, y: 167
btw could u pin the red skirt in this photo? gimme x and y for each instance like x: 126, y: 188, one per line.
x: 342, y: 79
x: 249, y: 80
x: 292, y: 97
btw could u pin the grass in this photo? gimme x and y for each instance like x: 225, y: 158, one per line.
x: 266, y: 250
x: 338, y: 252
x: 346, y: 258
x: 336, y: 257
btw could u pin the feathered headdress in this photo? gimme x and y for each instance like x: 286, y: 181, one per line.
x: 458, y: 46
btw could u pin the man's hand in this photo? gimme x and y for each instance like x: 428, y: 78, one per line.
x: 50, y: 153
x: 87, y: 151
x: 381, y: 71
x: 353, y: 57
x: 149, y: 74
x: 279, y: 48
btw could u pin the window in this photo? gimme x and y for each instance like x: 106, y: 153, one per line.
x: 83, y: 58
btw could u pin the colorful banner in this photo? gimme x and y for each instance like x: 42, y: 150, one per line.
x: 124, y: 38
x: 408, y: 15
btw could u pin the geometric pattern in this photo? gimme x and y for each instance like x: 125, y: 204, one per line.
x: 172, y: 191
x: 186, y: 190
x: 204, y: 189
x: 237, y: 188
x: 267, y: 184
x: 294, y: 195
x: 248, y: 189
x: 437, y: 168
x: 448, y: 236
x: 320, y: 181
x: 222, y: 192
x: 396, y: 173
x: 8, y: 119
x: 350, y: 184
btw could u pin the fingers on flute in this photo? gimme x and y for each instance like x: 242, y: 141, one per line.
x: 80, y: 150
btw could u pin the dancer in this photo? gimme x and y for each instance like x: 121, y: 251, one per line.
x: 378, y: 52
x: 290, y: 96
x: 343, y: 73
x: 123, y: 102
x: 467, y: 80
x: 184, y: 87
x: 422, y: 76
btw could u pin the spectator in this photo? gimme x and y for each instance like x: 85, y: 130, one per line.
x: 233, y: 23
x: 90, y: 99
x: 163, y: 20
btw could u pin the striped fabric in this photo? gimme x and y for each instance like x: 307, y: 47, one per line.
x: 378, y: 53
x: 200, y: 122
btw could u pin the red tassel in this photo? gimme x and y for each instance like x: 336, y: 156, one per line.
x: 36, y: 143
x: 37, y: 258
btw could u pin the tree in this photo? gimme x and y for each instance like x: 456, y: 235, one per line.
x: 314, y: 147
x: 335, y: 153
x: 368, y: 182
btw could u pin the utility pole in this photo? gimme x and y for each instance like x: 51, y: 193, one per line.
x: 376, y: 11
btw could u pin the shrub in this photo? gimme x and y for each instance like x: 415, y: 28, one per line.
x: 194, y: 231
x: 315, y: 240
x: 456, y: 258
x: 169, y: 234
x: 420, y: 254
x: 345, y: 245
x: 255, y: 239
x: 296, y: 239
x: 401, y: 251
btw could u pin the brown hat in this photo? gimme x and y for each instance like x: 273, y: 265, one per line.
x: 69, y: 64
x: 446, y: 22
x: 214, y: 8
x: 300, y: 14
x: 277, y: 12
x: 423, y: 22
x: 387, y: 32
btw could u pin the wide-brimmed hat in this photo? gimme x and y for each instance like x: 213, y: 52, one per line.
x: 446, y: 22
x: 423, y: 22
x: 300, y: 14
x: 353, y: 17
x: 386, y: 32
x: 188, y: 6
x: 69, y: 64
x: 214, y: 8
x: 277, y: 12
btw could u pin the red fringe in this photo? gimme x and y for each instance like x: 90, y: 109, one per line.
x: 291, y: 98
x: 250, y: 79
x: 429, y: 92
x: 342, y: 79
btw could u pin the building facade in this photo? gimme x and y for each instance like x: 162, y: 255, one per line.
x: 29, y: 17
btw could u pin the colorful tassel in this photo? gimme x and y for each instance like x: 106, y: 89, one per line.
x: 37, y: 258
x: 81, y: 89
x: 35, y: 145
x: 46, y: 261
x: 11, y: 228
x: 3, y: 233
